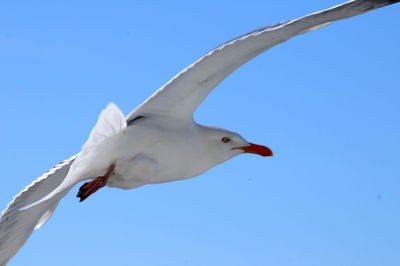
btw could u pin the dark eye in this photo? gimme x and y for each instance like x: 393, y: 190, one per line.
x: 225, y: 139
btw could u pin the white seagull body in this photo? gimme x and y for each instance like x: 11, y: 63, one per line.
x: 159, y: 141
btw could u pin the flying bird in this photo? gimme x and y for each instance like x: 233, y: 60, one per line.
x: 159, y: 141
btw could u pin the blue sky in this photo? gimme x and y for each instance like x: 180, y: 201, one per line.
x: 326, y: 103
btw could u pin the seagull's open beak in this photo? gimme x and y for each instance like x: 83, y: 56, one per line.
x: 256, y: 149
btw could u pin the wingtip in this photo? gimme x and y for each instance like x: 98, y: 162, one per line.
x: 382, y: 3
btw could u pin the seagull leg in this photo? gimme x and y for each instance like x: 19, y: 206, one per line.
x: 91, y: 187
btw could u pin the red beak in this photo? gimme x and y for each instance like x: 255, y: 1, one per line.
x: 256, y: 149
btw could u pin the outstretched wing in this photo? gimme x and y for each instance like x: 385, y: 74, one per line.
x: 33, y: 206
x: 184, y: 93
x: 15, y: 225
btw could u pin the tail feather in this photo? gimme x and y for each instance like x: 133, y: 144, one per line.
x: 111, y: 121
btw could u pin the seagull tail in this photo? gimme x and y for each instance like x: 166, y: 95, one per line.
x: 111, y: 121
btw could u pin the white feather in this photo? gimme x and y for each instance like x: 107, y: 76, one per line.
x: 148, y: 153
x: 110, y: 123
x: 17, y: 226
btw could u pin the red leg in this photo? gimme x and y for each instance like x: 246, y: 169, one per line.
x: 91, y: 187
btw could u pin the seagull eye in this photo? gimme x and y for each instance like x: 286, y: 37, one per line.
x: 225, y: 139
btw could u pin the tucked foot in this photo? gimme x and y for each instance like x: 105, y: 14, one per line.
x: 91, y: 187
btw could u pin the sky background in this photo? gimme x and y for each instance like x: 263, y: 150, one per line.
x: 326, y: 103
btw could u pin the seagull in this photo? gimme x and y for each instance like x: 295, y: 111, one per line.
x: 159, y: 141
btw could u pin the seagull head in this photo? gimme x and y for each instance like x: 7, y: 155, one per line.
x: 221, y: 145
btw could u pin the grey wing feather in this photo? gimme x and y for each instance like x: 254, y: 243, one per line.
x: 184, y: 93
x: 16, y: 226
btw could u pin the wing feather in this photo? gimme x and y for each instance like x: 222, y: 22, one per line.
x: 184, y: 93
x: 15, y: 225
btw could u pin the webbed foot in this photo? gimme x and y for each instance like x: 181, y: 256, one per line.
x: 91, y: 187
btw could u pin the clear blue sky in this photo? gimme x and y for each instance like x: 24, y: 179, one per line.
x: 326, y: 103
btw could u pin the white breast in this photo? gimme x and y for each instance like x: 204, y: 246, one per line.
x: 148, y: 155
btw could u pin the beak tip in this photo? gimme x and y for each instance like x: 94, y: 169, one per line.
x: 257, y: 149
x: 268, y: 153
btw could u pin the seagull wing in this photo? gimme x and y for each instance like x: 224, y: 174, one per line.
x: 15, y: 225
x: 34, y: 205
x: 184, y: 93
